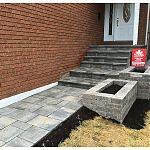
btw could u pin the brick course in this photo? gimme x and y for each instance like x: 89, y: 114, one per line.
x: 41, y: 42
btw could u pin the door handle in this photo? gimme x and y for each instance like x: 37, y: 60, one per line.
x: 117, y: 22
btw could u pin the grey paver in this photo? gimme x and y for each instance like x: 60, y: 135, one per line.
x: 70, y: 98
x: 6, y: 110
x: 49, y: 101
x: 55, y: 90
x: 73, y: 105
x: 61, y: 114
x: 9, y: 133
x: 44, y: 93
x: 21, y: 125
x: 14, y: 105
x: 33, y: 134
x: 46, y: 110
x: 37, y: 96
x: 68, y: 110
x: 32, y: 99
x: 5, y: 121
x: 22, y: 115
x: 52, y: 101
x: 26, y: 122
x: 63, y: 103
x: 2, y: 143
x: 75, y: 92
x: 44, y: 122
x: 28, y: 106
x: 18, y: 142
x: 56, y: 95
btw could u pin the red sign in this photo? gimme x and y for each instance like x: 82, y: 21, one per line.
x: 138, y: 57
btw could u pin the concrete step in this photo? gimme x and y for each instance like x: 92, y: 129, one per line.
x: 94, y: 73
x: 111, y: 49
x: 106, y: 59
x: 119, y: 53
x: 85, y: 83
x: 117, y: 46
x: 104, y: 65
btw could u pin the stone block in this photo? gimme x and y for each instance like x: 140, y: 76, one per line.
x: 111, y: 98
x: 143, y: 78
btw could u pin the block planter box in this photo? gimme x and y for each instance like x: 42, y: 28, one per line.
x: 143, y: 78
x: 111, y: 98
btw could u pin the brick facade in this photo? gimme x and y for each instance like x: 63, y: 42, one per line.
x: 40, y: 42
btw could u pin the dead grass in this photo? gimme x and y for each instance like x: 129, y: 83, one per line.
x: 100, y: 132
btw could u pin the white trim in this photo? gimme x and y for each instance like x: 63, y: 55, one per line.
x: 136, y: 23
x: 10, y: 100
x: 147, y: 23
x: 106, y: 23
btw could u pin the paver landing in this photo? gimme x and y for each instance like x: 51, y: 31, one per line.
x: 24, y: 123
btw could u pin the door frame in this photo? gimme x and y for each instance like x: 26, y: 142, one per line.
x: 135, y: 23
x: 106, y: 24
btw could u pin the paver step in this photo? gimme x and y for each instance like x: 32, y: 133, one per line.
x: 111, y: 49
x: 119, y: 53
x: 104, y: 65
x: 94, y: 73
x: 117, y: 46
x: 85, y: 83
x: 106, y: 59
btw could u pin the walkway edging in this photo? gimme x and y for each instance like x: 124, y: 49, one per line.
x: 10, y: 100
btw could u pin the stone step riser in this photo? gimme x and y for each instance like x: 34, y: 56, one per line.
x: 87, y: 75
x: 76, y: 85
x: 111, y: 49
x: 105, y: 60
x: 93, y: 76
x: 103, y: 66
x: 108, y: 54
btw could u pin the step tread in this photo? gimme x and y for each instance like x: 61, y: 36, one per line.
x: 108, y: 51
x: 107, y: 57
x: 117, y: 46
x: 96, y: 71
x: 103, y: 63
x: 79, y: 80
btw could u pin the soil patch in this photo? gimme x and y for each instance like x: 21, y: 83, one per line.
x: 85, y: 126
x: 113, y: 89
x: 139, y: 70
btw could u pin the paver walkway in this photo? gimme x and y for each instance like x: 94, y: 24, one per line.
x: 25, y: 122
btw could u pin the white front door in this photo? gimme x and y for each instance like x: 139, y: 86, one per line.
x: 119, y: 22
x: 124, y: 19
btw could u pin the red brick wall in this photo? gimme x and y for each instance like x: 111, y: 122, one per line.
x: 40, y: 42
x: 142, y: 23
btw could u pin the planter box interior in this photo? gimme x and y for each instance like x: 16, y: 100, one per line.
x: 112, y: 89
x: 139, y: 70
